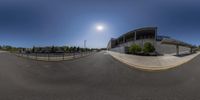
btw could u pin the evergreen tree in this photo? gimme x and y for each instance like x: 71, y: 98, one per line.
x: 33, y: 49
x: 52, y: 49
x: 78, y: 49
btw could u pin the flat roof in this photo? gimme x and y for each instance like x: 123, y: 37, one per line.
x: 139, y: 29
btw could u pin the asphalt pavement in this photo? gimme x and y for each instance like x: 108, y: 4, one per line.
x: 95, y: 77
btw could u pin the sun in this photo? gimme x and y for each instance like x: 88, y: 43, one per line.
x: 99, y: 27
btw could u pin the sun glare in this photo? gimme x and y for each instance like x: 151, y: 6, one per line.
x: 99, y: 27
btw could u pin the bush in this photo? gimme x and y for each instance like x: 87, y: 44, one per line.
x: 135, y: 49
x: 148, y: 48
x: 199, y: 48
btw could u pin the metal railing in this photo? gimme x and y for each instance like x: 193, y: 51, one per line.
x: 54, y: 56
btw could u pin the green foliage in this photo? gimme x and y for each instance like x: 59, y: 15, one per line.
x: 148, y: 48
x: 78, y: 49
x: 66, y: 48
x: 198, y: 48
x: 33, y: 49
x: 50, y: 49
x: 9, y: 48
x: 135, y: 49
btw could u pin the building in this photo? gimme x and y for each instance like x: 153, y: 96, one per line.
x: 162, y: 44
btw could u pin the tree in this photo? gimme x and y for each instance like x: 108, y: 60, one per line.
x: 148, y: 48
x: 52, y: 49
x: 199, y: 47
x: 33, y: 49
x: 39, y: 49
x: 56, y: 49
x: 70, y: 49
x: 135, y: 49
x: 82, y: 49
x: 74, y: 49
x: 66, y: 49
x: 78, y: 49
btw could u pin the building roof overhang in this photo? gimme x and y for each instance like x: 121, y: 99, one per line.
x: 139, y: 29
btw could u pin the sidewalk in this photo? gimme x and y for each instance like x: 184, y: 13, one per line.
x: 154, y: 63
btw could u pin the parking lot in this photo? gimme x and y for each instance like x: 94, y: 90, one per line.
x: 94, y: 77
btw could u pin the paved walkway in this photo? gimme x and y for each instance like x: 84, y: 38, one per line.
x: 152, y: 63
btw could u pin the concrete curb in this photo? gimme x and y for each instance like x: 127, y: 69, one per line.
x: 150, y: 68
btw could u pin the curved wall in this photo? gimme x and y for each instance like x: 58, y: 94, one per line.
x: 160, y: 48
x: 169, y: 49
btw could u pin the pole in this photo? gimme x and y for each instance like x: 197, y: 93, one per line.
x: 63, y: 56
x: 48, y: 55
x: 85, y: 41
x: 74, y: 54
x: 177, y: 49
x: 36, y: 55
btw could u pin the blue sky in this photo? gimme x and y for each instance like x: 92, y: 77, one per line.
x: 24, y: 23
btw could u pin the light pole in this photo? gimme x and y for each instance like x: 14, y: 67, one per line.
x: 85, y: 45
x: 85, y: 41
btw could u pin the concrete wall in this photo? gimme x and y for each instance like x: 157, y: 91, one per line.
x: 169, y: 49
x: 120, y: 49
x: 160, y: 48
x: 139, y: 42
x: 142, y: 42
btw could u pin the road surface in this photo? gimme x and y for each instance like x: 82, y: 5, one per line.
x: 95, y: 77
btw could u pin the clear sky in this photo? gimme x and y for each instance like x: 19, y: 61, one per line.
x: 26, y: 23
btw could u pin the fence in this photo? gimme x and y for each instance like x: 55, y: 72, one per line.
x: 54, y: 56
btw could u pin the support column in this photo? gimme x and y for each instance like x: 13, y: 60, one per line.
x: 135, y: 36
x: 155, y: 36
x: 177, y: 50
x: 124, y: 39
x: 191, y: 50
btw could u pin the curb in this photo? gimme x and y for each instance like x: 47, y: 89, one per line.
x: 151, y: 68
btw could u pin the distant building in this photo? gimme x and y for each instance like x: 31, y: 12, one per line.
x: 162, y: 44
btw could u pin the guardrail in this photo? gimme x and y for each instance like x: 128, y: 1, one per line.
x: 54, y: 56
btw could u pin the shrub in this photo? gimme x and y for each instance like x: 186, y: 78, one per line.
x: 135, y: 49
x: 199, y: 48
x: 148, y: 48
